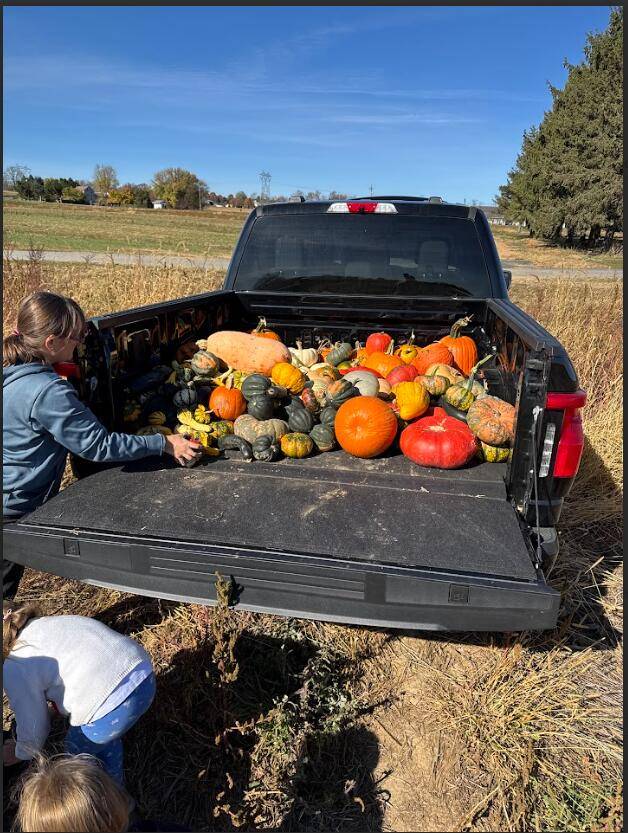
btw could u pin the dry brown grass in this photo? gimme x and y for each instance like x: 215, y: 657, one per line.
x: 265, y: 723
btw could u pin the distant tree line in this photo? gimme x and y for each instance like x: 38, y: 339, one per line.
x: 179, y: 188
x: 567, y: 182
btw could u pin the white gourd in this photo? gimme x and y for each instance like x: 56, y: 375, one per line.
x: 303, y: 356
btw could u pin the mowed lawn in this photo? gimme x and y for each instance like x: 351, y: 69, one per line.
x: 84, y: 228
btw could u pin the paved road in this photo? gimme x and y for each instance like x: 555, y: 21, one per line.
x: 520, y: 269
x: 123, y: 259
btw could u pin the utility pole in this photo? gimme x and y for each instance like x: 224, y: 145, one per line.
x: 200, y: 187
x: 371, y: 190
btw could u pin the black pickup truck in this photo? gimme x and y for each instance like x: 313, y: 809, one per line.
x: 379, y: 542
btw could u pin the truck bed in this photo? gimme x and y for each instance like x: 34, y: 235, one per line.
x: 385, y: 511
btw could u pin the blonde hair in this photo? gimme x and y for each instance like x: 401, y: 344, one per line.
x: 40, y: 315
x: 14, y: 618
x: 71, y: 793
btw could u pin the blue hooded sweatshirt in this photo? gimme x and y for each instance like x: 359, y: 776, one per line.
x: 43, y: 419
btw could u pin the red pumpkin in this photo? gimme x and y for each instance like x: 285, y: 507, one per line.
x: 377, y: 343
x: 438, y: 441
x: 365, y: 426
x: 434, y: 353
x: 344, y: 370
x: 407, y: 373
x: 227, y: 403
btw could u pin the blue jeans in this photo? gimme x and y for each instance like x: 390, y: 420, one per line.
x: 102, y: 737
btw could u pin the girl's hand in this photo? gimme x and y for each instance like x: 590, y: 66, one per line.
x: 8, y: 753
x: 182, y: 449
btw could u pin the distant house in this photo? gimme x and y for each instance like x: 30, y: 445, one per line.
x: 89, y: 195
x: 159, y: 204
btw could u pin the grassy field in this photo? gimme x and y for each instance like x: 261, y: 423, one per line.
x: 212, y: 233
x: 269, y: 723
x: 86, y: 228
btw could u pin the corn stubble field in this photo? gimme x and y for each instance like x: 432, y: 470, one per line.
x: 262, y: 722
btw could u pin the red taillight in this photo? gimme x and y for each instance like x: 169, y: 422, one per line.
x: 571, y: 442
x: 361, y: 207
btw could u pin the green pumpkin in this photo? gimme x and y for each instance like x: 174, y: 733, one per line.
x: 185, y: 398
x: 323, y: 437
x: 300, y: 420
x: 459, y: 396
x: 261, y: 407
x: 340, y: 353
x: 296, y: 445
x: 328, y: 416
x: 204, y: 363
x: 340, y: 391
x: 266, y: 449
x: 255, y: 385
x: 493, y: 453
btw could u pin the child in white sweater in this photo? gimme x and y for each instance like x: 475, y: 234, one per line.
x: 101, y: 680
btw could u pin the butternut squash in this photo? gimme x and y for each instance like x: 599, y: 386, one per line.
x: 246, y: 352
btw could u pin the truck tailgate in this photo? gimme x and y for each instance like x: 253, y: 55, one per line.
x: 385, y: 511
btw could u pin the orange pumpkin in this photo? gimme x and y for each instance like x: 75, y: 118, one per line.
x: 413, y: 399
x: 463, y: 349
x: 365, y: 426
x: 227, y: 403
x: 360, y: 355
x: 382, y: 362
x: 262, y: 331
x: 435, y: 353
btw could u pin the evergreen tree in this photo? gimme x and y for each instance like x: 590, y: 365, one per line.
x: 570, y: 169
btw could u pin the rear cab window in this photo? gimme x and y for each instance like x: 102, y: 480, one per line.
x: 370, y: 254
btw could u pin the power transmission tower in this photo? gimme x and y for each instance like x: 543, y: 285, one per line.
x: 265, y: 178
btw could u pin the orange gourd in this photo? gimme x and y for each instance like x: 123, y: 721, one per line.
x: 227, y: 403
x: 413, y: 399
x: 365, y: 426
x: 463, y: 349
x: 262, y: 331
x: 435, y: 353
x: 382, y: 362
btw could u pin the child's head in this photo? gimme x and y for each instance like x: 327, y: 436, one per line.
x: 14, y: 617
x: 48, y: 328
x: 71, y: 793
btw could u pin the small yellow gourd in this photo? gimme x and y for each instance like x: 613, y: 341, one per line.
x: 296, y: 444
x: 288, y: 376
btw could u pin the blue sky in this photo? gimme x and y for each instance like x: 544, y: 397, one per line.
x: 411, y: 100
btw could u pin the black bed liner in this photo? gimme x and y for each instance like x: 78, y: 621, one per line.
x: 386, y: 511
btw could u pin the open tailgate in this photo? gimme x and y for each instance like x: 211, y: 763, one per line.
x: 371, y: 542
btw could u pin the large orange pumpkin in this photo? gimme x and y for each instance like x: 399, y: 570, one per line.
x: 463, y: 349
x: 382, y: 362
x: 365, y: 426
x: 227, y: 403
x: 435, y: 353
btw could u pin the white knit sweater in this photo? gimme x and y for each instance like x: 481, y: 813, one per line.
x: 72, y: 660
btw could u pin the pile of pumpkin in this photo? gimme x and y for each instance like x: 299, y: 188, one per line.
x: 249, y: 392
